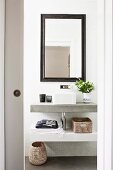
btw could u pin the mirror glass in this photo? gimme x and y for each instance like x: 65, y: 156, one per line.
x: 62, y: 47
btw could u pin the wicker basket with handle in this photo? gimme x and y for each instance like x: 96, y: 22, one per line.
x: 37, y: 153
x: 81, y: 125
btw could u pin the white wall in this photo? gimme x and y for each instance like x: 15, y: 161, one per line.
x: 32, y: 84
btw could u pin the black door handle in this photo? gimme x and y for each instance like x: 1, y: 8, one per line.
x: 17, y: 93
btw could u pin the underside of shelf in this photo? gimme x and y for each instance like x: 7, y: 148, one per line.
x: 61, y: 136
x: 71, y: 108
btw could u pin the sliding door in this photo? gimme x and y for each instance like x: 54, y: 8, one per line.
x: 14, y: 85
x: 2, y: 18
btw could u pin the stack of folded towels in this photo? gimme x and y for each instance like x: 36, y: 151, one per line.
x: 47, y: 124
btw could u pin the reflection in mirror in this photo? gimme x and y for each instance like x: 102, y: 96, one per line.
x: 63, y: 47
x: 57, y: 61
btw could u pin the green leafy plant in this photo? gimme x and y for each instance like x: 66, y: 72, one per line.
x: 84, y: 87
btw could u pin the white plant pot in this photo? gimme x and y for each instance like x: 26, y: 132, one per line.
x: 86, y: 97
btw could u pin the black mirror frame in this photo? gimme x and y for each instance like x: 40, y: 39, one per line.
x: 42, y: 59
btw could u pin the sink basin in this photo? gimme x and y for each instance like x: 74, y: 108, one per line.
x: 64, y: 98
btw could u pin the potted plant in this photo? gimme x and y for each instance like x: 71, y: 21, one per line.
x: 86, y: 88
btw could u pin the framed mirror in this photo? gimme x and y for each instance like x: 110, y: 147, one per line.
x: 63, y: 47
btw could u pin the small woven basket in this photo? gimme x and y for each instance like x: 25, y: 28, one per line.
x: 81, y: 125
x: 37, y: 153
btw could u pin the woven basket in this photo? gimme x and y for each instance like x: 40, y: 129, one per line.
x: 37, y: 153
x: 81, y: 125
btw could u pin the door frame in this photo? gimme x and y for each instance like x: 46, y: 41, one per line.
x: 105, y: 85
x: 2, y: 30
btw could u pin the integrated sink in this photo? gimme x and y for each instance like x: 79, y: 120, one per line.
x: 64, y: 98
